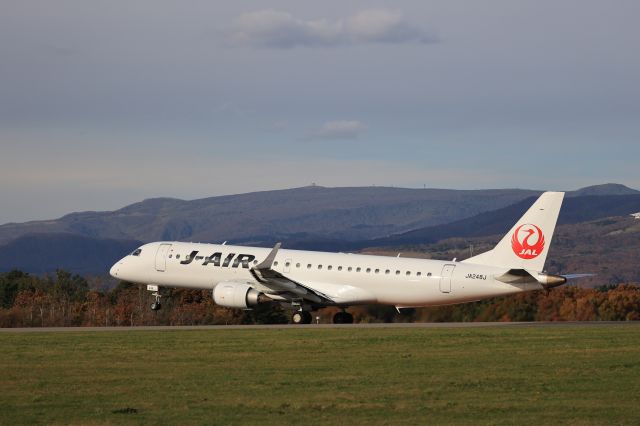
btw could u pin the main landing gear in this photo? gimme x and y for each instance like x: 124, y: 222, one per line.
x: 301, y: 317
x: 304, y: 317
x: 343, y: 317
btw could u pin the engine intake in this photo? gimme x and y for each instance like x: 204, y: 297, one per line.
x: 237, y: 295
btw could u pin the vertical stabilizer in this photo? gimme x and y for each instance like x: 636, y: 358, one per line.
x: 527, y: 243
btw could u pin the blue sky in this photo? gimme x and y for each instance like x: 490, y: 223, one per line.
x: 105, y: 103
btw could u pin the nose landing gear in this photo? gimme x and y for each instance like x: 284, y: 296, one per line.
x: 156, y: 305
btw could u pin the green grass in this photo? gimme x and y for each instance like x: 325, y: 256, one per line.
x: 506, y: 375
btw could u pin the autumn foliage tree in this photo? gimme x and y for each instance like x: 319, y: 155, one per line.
x: 64, y: 299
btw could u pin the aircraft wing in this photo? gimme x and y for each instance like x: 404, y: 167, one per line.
x: 282, y: 285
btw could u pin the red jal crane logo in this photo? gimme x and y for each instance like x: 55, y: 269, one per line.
x: 527, y: 241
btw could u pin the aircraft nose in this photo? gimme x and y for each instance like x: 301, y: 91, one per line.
x: 115, y: 269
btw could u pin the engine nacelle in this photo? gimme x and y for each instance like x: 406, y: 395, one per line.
x: 236, y: 295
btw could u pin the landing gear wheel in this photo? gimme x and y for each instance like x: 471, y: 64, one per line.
x: 343, y: 318
x: 155, y: 306
x: 301, y: 317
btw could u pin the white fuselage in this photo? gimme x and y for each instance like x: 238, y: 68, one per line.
x: 348, y: 279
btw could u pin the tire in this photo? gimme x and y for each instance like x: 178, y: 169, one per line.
x: 343, y: 318
x: 301, y: 317
x: 348, y: 318
x: 306, y: 317
x: 297, y: 318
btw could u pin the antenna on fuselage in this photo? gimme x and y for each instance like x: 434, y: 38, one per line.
x: 224, y: 244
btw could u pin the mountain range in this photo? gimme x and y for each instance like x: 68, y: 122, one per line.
x: 310, y: 217
x: 346, y: 213
x: 574, y: 210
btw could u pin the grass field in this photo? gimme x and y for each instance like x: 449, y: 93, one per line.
x: 506, y: 375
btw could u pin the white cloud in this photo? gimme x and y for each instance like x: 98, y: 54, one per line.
x: 275, y: 29
x: 384, y: 26
x: 341, y: 129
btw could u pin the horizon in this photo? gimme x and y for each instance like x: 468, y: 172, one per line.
x: 309, y: 186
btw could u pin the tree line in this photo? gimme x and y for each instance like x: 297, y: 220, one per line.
x: 65, y: 299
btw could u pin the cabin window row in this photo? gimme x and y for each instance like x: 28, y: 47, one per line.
x: 339, y: 268
x: 351, y: 268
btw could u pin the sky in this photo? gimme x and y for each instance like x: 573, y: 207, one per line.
x: 106, y: 103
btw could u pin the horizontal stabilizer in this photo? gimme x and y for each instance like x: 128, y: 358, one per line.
x: 576, y: 276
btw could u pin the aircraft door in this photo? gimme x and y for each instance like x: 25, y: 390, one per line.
x: 445, y: 278
x: 161, y: 257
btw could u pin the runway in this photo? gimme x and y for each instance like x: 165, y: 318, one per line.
x: 630, y: 324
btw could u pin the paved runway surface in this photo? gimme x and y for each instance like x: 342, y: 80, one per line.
x: 325, y: 326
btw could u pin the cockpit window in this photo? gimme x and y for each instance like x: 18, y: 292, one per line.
x: 136, y: 252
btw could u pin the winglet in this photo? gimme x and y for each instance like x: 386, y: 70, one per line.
x: 266, y: 263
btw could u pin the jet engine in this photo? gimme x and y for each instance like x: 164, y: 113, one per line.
x: 237, y: 295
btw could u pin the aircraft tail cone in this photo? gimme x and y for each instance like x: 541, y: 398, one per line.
x: 551, y: 281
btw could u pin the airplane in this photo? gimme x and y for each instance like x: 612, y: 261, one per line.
x: 305, y: 281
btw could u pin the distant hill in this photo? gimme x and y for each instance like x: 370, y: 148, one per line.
x: 574, y: 210
x: 608, y: 247
x: 332, y: 219
x: 344, y: 213
x: 606, y: 189
x: 39, y: 253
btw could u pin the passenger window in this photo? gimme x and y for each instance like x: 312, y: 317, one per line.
x: 358, y: 269
x: 170, y: 256
x: 319, y: 266
x: 177, y: 256
x: 275, y: 263
x: 387, y: 272
x: 329, y: 267
x: 349, y: 269
x: 308, y: 266
x: 339, y: 268
x: 368, y: 270
x: 419, y: 273
x: 397, y: 272
x: 429, y: 274
x: 408, y: 273
x: 297, y: 265
x: 287, y: 264
x: 377, y: 271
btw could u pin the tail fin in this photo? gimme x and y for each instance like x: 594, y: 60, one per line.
x: 527, y: 243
